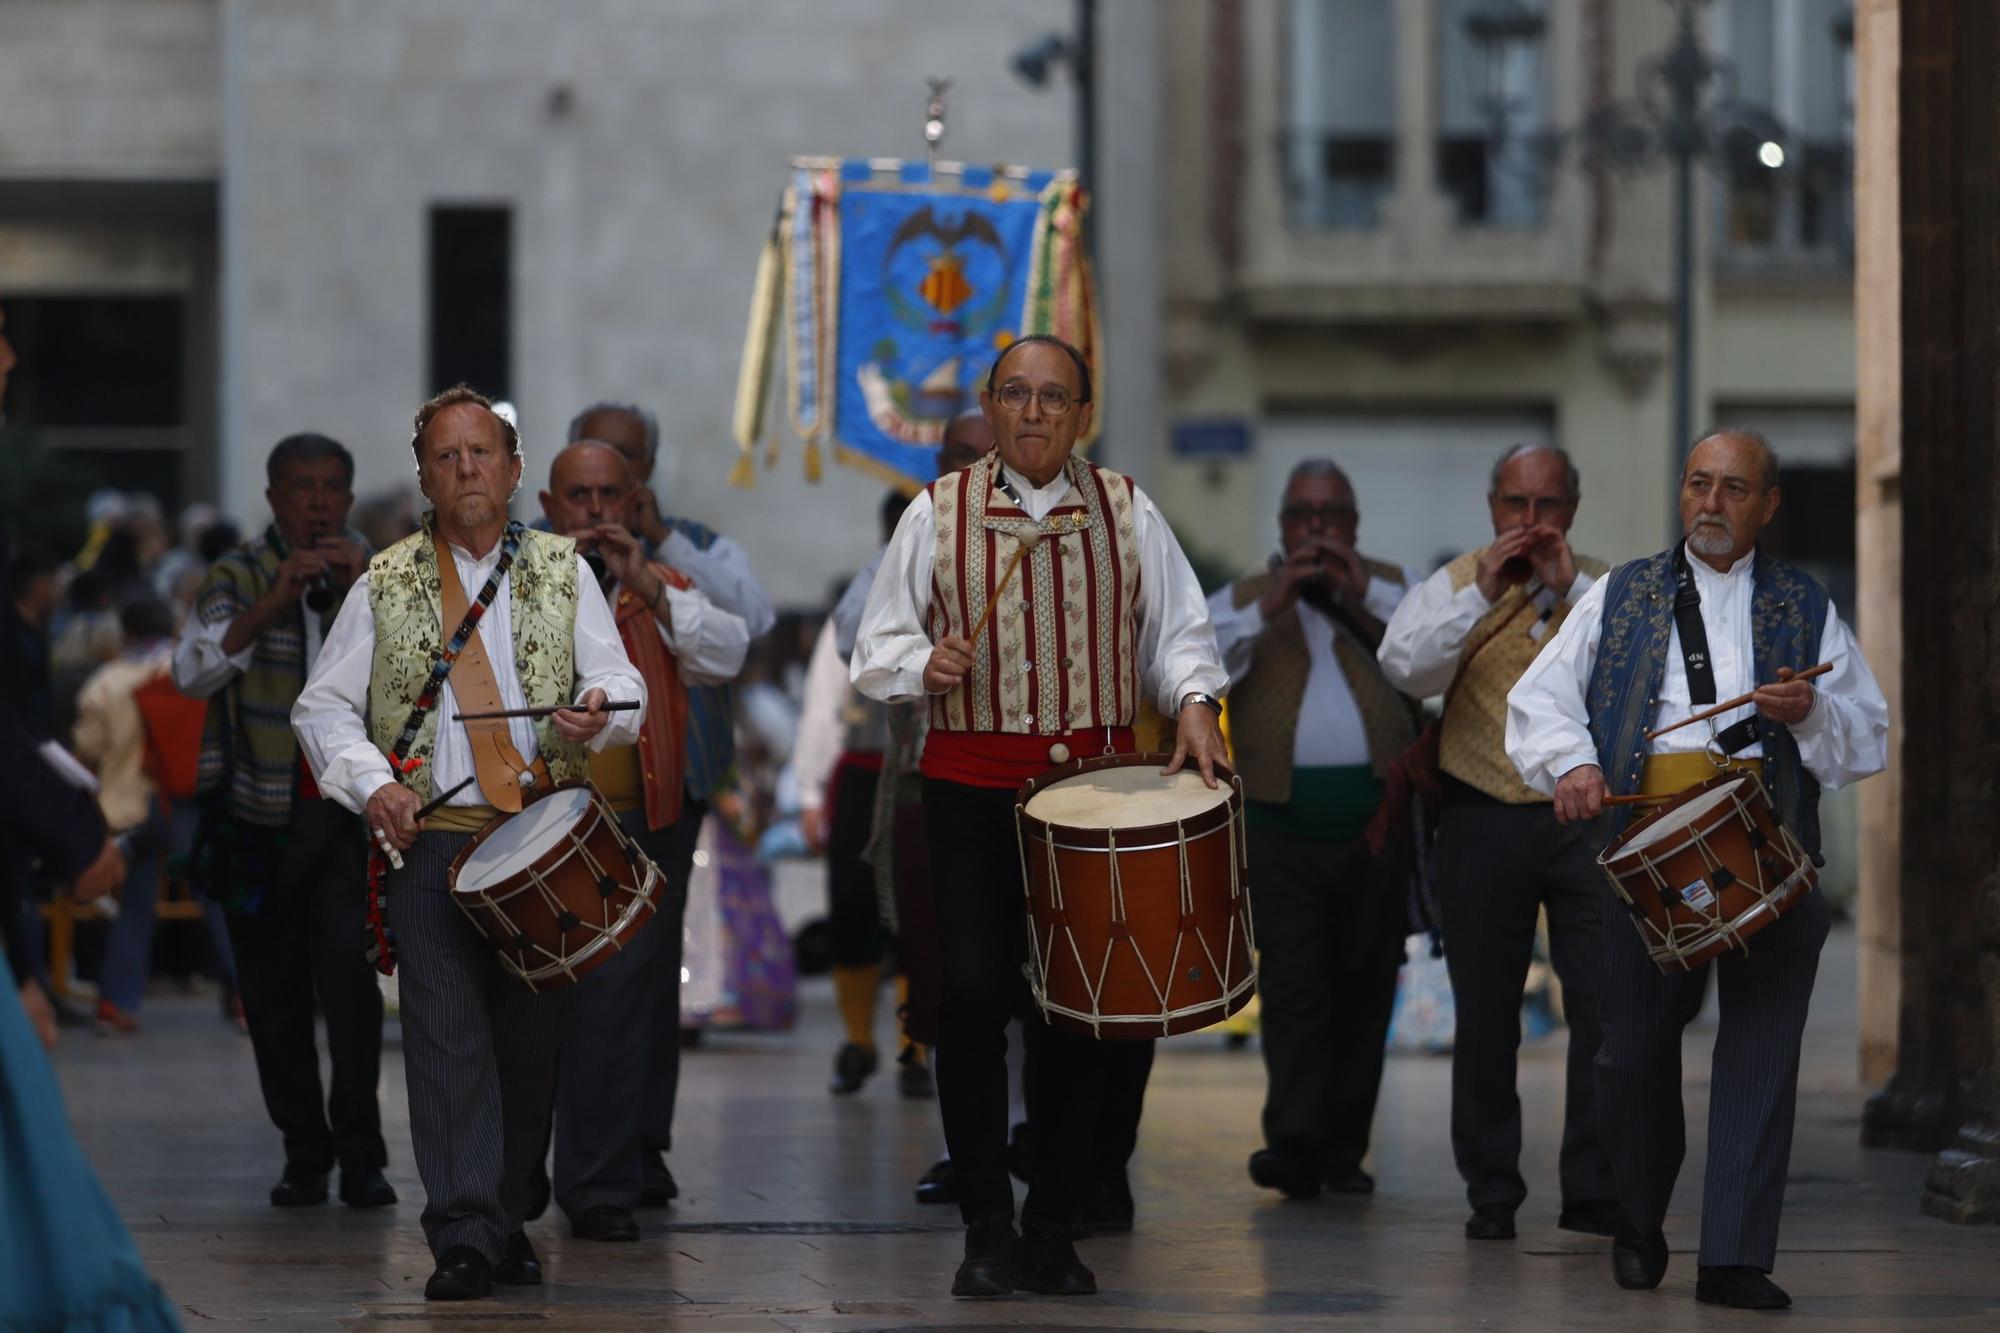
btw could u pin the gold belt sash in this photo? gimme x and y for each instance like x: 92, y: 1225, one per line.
x: 1671, y: 774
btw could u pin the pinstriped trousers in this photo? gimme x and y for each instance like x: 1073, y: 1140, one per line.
x: 1753, y: 1084
x: 479, y: 1051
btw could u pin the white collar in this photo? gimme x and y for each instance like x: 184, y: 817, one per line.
x: 1049, y: 494
x: 1702, y: 569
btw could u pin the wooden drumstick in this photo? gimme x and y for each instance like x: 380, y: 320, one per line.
x: 1737, y: 702
x: 1655, y: 799
x: 1027, y: 540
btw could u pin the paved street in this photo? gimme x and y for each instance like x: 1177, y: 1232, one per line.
x: 796, y: 1210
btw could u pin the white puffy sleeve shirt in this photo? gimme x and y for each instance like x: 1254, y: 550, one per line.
x: 1843, y: 739
x: 1176, y: 644
x: 331, y: 713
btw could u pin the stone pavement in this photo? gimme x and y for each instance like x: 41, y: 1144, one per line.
x: 796, y: 1210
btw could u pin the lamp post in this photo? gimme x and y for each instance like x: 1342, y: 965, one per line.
x: 1078, y: 50
x: 1686, y: 112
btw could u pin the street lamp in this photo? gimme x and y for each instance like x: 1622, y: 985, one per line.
x: 1686, y: 111
x: 1033, y: 65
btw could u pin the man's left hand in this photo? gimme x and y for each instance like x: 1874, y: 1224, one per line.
x: 344, y: 556
x: 580, y: 723
x: 625, y: 556
x: 1554, y: 563
x: 1788, y: 701
x: 1198, y: 738
x: 1346, y: 576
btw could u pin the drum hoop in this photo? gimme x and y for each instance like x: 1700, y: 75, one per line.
x: 465, y: 852
x: 1153, y: 836
x: 1621, y: 849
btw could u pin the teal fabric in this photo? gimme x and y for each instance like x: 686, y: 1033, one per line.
x: 66, y: 1261
x: 1788, y: 611
x: 1331, y: 804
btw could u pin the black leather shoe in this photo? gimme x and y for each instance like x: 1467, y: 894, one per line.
x: 1592, y: 1217
x: 913, y: 1077
x: 1109, y: 1211
x: 851, y: 1068
x: 298, y: 1188
x: 462, y: 1275
x: 518, y: 1266
x: 604, y: 1222
x: 1048, y: 1264
x: 1638, y: 1264
x: 364, y: 1187
x: 659, y: 1187
x: 1490, y: 1221
x: 937, y: 1184
x: 1020, y: 1153
x: 988, y: 1267
x: 538, y: 1192
x: 1741, y: 1288
x: 1351, y: 1181
x: 1286, y: 1170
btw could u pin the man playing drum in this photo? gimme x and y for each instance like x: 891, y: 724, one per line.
x: 1470, y: 630
x: 1650, y: 644
x: 1315, y: 724
x: 514, y: 619
x: 1105, y: 605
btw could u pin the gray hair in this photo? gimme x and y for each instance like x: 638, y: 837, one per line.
x: 1572, y: 480
x: 1317, y: 467
x: 646, y: 419
x: 1755, y: 439
x: 305, y: 447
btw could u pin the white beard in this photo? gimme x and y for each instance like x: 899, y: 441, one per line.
x: 1711, y: 539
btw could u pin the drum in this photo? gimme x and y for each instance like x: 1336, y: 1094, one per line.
x: 1138, y: 897
x: 1705, y: 872
x: 558, y: 888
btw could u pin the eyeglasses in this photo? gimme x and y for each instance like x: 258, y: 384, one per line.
x: 1328, y: 515
x: 1054, y: 399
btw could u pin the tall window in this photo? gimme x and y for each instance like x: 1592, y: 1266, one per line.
x: 471, y: 299
x: 1492, y: 111
x: 1794, y: 57
x: 1340, y: 114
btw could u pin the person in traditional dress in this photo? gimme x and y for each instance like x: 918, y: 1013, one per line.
x: 476, y: 607
x: 1652, y: 643
x: 1314, y: 724
x: 677, y: 639
x: 1468, y: 632
x: 1004, y: 708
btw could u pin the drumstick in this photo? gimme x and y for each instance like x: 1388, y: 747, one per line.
x: 1737, y: 702
x: 624, y: 706
x: 1027, y: 540
x: 1654, y: 799
x: 436, y: 803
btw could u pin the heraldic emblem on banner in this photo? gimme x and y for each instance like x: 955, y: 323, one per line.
x: 893, y: 288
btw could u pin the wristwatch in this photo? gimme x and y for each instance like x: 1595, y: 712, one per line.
x: 1197, y: 697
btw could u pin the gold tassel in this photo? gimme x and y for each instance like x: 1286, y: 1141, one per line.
x: 744, y: 475
x: 813, y: 465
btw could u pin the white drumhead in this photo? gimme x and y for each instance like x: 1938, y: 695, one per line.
x: 1679, y: 817
x: 1125, y: 797
x: 515, y: 844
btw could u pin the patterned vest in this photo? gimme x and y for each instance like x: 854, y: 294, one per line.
x: 1787, y: 618
x: 1264, y: 705
x: 711, y: 718
x: 1060, y: 653
x: 409, y: 612
x: 1472, y: 740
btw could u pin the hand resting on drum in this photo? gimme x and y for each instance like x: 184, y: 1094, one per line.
x: 1199, y: 739
x: 1580, y: 794
x: 392, y: 814
x: 950, y: 660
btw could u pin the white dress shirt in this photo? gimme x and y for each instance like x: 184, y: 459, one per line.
x: 822, y: 727
x: 1843, y: 739
x: 331, y: 713
x: 201, y: 669
x: 1421, y: 647
x: 723, y: 574
x: 1330, y: 732
x: 1176, y: 646
x: 708, y: 642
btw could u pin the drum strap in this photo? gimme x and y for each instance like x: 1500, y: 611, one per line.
x: 499, y: 764
x: 1695, y: 658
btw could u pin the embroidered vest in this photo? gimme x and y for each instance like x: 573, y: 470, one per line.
x: 1787, y: 617
x: 1472, y: 737
x: 409, y: 634
x: 1060, y: 653
x: 1264, y: 705
x: 711, y: 711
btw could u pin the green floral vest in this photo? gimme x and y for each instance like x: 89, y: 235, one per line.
x: 408, y: 605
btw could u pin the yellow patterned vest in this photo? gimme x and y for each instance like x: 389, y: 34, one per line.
x: 1264, y: 705
x: 1472, y: 743
x: 1060, y: 653
x: 403, y: 593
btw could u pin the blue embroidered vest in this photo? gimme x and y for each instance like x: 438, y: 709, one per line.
x: 1787, y: 618
x: 711, y: 725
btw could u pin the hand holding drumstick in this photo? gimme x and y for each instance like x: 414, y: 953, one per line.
x: 951, y: 656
